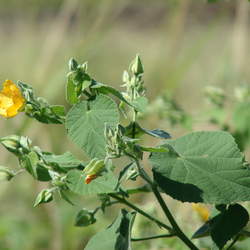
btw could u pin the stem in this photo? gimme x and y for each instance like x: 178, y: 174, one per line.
x: 137, y: 209
x: 153, y: 237
x: 172, y: 221
x: 164, y: 207
x: 234, y: 241
x: 134, y: 126
x: 107, y: 205
x: 160, y: 200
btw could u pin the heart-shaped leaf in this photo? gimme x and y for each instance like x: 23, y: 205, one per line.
x: 86, y: 121
x: 202, y: 167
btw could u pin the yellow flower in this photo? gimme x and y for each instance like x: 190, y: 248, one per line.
x: 202, y: 211
x: 11, y: 99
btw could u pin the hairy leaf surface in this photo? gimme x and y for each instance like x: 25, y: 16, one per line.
x: 202, y: 167
x: 103, y: 184
x: 86, y: 121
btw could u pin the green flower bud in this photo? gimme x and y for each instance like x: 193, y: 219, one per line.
x: 83, y: 67
x: 84, y: 218
x: 6, y: 174
x: 44, y: 196
x: 11, y: 143
x: 136, y: 66
x: 95, y: 167
x: 125, y: 76
x: 73, y: 64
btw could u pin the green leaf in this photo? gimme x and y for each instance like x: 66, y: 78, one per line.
x: 58, y: 110
x: 64, y: 195
x: 71, y: 94
x: 140, y: 103
x: 202, y: 167
x: 29, y: 162
x: 151, y: 149
x: 32, y: 164
x: 227, y: 224
x: 116, y: 236
x: 103, y: 184
x: 203, y: 231
x: 65, y: 161
x: 86, y: 121
x: 84, y: 218
x: 159, y: 133
x: 105, y: 89
x: 135, y: 130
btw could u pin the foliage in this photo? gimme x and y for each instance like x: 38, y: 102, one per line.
x: 204, y: 166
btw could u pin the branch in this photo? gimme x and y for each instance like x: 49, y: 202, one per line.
x: 153, y: 237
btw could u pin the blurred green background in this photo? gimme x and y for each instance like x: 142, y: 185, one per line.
x: 185, y: 45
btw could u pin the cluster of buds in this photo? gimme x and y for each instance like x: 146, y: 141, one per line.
x: 215, y: 96
x: 78, y: 75
x: 114, y: 141
x: 134, y: 83
x: 93, y: 169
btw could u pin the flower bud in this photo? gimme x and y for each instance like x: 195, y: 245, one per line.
x: 84, y: 67
x: 73, y: 64
x: 125, y: 76
x: 93, y: 169
x: 44, y: 196
x: 11, y: 143
x: 136, y: 66
x: 84, y: 218
x: 6, y: 174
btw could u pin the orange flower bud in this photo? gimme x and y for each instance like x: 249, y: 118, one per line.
x: 90, y: 178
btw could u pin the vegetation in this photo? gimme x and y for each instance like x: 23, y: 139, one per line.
x: 180, y: 61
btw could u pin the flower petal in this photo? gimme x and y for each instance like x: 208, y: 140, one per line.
x: 11, y: 99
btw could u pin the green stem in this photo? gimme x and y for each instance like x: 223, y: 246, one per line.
x: 137, y: 209
x: 172, y: 221
x: 153, y: 237
x: 134, y: 124
x: 234, y: 241
x: 164, y: 207
x: 107, y: 205
x: 160, y: 200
